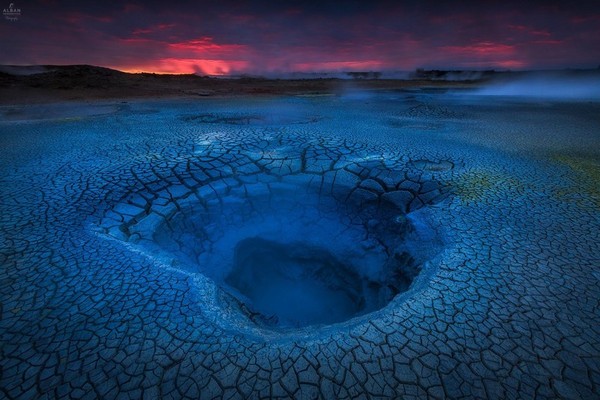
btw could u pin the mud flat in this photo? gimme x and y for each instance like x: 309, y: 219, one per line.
x: 385, y: 243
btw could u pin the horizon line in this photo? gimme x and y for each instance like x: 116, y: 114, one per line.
x: 266, y: 74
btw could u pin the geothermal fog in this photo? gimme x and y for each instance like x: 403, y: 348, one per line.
x: 555, y: 85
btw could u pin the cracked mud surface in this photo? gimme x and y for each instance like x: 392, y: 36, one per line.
x: 119, y: 224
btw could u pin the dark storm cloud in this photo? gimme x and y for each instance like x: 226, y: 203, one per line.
x: 264, y: 36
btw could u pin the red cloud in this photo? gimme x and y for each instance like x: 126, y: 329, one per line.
x: 586, y: 19
x: 508, y: 64
x: 484, y: 55
x: 481, y: 49
x: 540, y: 33
x: 205, y: 44
x: 152, y: 29
x: 189, y: 66
x: 552, y: 42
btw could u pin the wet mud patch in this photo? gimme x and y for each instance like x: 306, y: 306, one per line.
x: 227, y: 119
x: 284, y: 117
x: 436, y: 166
x: 412, y: 125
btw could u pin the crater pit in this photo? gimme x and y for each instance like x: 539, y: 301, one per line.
x: 291, y: 258
x: 295, y: 284
x: 286, y: 249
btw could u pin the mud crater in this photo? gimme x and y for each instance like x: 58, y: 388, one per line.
x: 282, y: 238
x: 292, y: 258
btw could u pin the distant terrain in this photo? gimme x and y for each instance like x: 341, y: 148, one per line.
x: 51, y: 83
x: 46, y: 83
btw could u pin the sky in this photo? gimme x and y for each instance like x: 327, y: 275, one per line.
x: 226, y: 37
